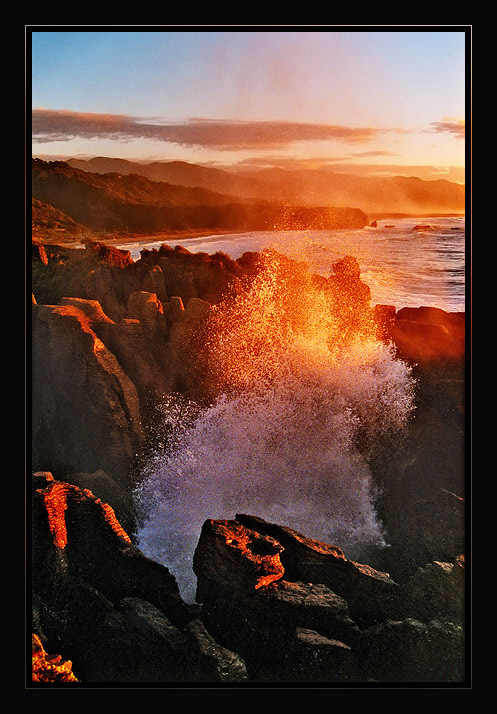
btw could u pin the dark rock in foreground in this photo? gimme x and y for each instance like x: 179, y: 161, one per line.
x: 117, y: 616
x: 326, y: 618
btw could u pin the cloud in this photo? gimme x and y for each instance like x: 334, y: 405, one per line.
x: 456, y: 127
x: 49, y: 125
x: 373, y: 154
x: 54, y: 125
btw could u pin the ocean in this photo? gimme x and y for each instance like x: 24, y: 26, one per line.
x: 307, y: 405
x: 403, y: 267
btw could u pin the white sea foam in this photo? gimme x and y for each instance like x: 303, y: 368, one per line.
x: 290, y: 436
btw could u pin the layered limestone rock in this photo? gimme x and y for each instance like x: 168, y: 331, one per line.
x: 195, y: 275
x: 109, y: 276
x: 97, y: 383
x: 229, y: 547
x: 117, y: 616
x: 109, y: 491
x: 370, y: 594
x: 147, y: 309
x: 249, y: 606
x: 180, y: 354
x: 85, y: 409
x: 274, y: 605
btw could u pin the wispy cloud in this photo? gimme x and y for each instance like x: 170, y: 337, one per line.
x: 51, y: 125
x: 457, y: 127
x: 373, y: 154
x: 291, y: 162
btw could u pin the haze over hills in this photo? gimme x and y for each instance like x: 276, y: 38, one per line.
x: 304, y: 187
x: 108, y: 195
x: 130, y: 203
x: 179, y: 173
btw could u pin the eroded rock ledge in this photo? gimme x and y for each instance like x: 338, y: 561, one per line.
x: 273, y: 605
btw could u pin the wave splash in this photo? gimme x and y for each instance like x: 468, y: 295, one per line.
x: 306, y: 393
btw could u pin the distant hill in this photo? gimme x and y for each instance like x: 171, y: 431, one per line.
x: 374, y: 195
x: 311, y: 188
x: 179, y: 173
x: 129, y: 202
x: 47, y: 219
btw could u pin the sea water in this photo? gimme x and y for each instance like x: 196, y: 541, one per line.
x: 403, y: 264
x: 303, y: 406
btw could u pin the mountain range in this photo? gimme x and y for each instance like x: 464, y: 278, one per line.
x: 106, y: 194
x: 304, y: 187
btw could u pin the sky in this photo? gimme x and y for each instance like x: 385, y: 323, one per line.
x: 362, y: 100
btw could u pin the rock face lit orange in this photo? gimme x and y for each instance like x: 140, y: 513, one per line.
x: 49, y: 668
x: 58, y: 497
x: 227, y: 544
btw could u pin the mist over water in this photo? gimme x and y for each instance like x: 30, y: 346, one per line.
x: 304, y: 398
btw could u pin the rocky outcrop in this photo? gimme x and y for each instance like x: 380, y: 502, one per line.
x: 110, y: 491
x: 370, y: 594
x: 85, y: 410
x: 149, y: 316
x: 118, y: 617
x: 429, y: 334
x: 348, y: 623
x: 110, y: 277
x: 422, y: 478
x: 98, y: 601
x: 180, y: 354
x: 439, y: 587
x: 49, y: 668
x: 423, y: 335
x: 98, y: 376
x: 110, y: 339
x: 209, y: 662
x: 199, y: 275
x: 229, y: 547
x: 413, y: 651
x: 351, y: 297
x: 153, y: 338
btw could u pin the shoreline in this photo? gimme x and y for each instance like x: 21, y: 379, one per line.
x: 169, y: 236
x: 235, y: 243
x: 132, y: 238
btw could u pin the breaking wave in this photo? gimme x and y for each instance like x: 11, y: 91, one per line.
x: 306, y: 393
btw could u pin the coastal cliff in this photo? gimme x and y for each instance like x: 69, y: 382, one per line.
x: 111, y: 338
x: 67, y: 197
